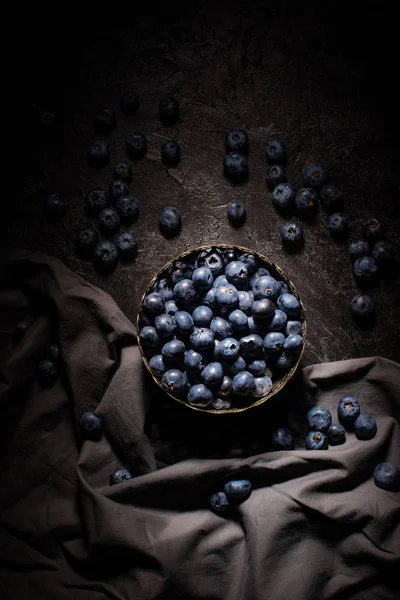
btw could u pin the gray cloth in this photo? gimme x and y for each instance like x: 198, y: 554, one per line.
x: 314, y: 527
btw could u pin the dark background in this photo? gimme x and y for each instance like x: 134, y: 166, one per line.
x: 324, y: 78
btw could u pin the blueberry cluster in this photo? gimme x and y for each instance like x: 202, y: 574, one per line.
x: 218, y: 327
x: 234, y: 492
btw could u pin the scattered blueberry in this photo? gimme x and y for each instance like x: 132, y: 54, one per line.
x: 126, y: 244
x: 169, y: 221
x: 316, y: 440
x: 95, y: 201
x: 276, y: 175
x: 382, y: 253
x: 108, y: 221
x: 199, y: 395
x: 129, y: 102
x: 237, y: 141
x: 365, y: 426
x: 338, y: 224
x: 365, y: 269
x: 46, y: 119
x: 48, y: 372
x: 331, y: 198
x: 362, y: 307
x: 283, y: 196
x: 136, y: 145
x: 105, y: 120
x: 117, y: 188
x: 348, y: 409
x: 236, y: 210
x: 105, y: 256
x: 319, y: 419
x: 219, y: 502
x: 238, y: 488
x: 315, y: 176
x: 373, y: 231
x: 282, y: 439
x: 292, y: 236
x: 91, y: 425
x: 170, y: 152
x: 306, y: 202
x: 127, y: 208
x: 336, y: 434
x: 276, y: 152
x: 98, y: 154
x: 21, y: 328
x: 169, y: 110
x: 120, y: 475
x: 243, y: 383
x: 54, y: 204
x: 359, y: 249
x: 236, y: 166
x: 387, y: 476
x: 174, y: 380
x: 86, y: 240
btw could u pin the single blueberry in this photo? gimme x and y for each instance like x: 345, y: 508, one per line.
x: 373, y: 231
x: 208, y: 299
x: 221, y: 403
x: 238, y: 321
x: 365, y: 269
x: 236, y: 210
x: 236, y: 166
x: 136, y: 145
x: 292, y: 236
x: 221, y: 328
x: 250, y: 261
x: 122, y: 171
x: 282, y: 439
x: 237, y: 140
x: 348, y: 409
x: 293, y: 343
x: 387, y: 476
x: 262, y: 386
x: 199, y: 395
x: 126, y: 244
x: 170, y: 153
x: 254, y: 326
x: 274, y: 342
x: 336, y: 434
x: 237, y: 274
x: 54, y: 204
x: 91, y: 426
x: 243, y: 383
x: 283, y: 360
x: 263, y: 310
x: 202, y: 278
x: 319, y: 418
x: 173, y: 351
x: 108, y: 221
x: 105, y: 257
x: 338, y: 224
x: 117, y: 188
x: 293, y: 328
x: 180, y: 270
x: 214, y: 352
x: 212, y: 259
x: 261, y: 271
x: 86, y: 240
x: 251, y: 346
x: 306, y: 202
x: 202, y: 316
x: 289, y: 304
x: 265, y: 287
x: 212, y: 374
x: 276, y: 152
x: 225, y: 387
x: 171, y: 308
x: 331, y: 198
x: 194, y: 361
x: 283, y: 288
x: 237, y: 366
x: 98, y: 154
x: 278, y: 321
x: 283, y: 196
x: 220, y: 280
x: 46, y: 119
x: 184, y: 323
x: 48, y: 372
x: 162, y: 287
x: 382, y: 253
x: 120, y: 475
x: 105, y: 120
x: 316, y: 440
x: 154, y: 303
x: 54, y: 352
x: 238, y: 488
x: 185, y: 292
x: 169, y: 221
x: 202, y: 338
x: 365, y: 426
x: 174, y: 381
x: 362, y: 307
x: 257, y: 367
x: 229, y: 349
x: 149, y: 336
x: 230, y: 254
x: 157, y: 365
x: 226, y: 296
x: 219, y: 502
x: 129, y: 102
x: 276, y: 175
x: 168, y: 110
x: 95, y: 201
x: 245, y: 301
x: 315, y: 176
x: 165, y: 325
x: 359, y: 249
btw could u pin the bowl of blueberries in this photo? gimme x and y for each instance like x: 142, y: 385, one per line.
x: 221, y: 329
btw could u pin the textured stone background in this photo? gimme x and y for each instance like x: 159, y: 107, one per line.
x: 321, y: 78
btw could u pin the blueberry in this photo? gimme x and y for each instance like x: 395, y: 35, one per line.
x: 170, y: 152
x: 105, y: 120
x: 149, y: 337
x: 251, y: 346
x: 265, y: 287
x: 221, y: 328
x: 238, y: 488
x: 202, y: 338
x: 237, y: 141
x: 348, y: 409
x: 169, y: 110
x: 105, y: 256
x: 54, y: 204
x: 208, y: 299
x: 289, y: 304
x: 219, y: 502
x: 54, y: 352
x: 108, y: 221
x: 230, y: 254
x: 184, y: 323
x: 373, y: 231
x: 202, y: 316
x: 365, y: 426
x: 236, y: 210
x: 48, y: 372
x: 282, y: 439
x: 293, y: 328
x: 180, y: 270
x: 262, y: 386
x: 245, y: 301
x: 293, y: 344
x: 359, y: 249
x: 129, y: 102
x: 338, y: 224
x: 154, y: 303
x: 278, y: 320
x: 136, y: 145
x: 243, y: 383
x: 194, y: 361
x: 91, y: 426
x: 213, y: 260
x: 165, y: 325
x: 128, y: 208
x: 157, y: 365
x: 237, y: 274
x: 283, y: 360
x: 238, y: 320
x: 276, y: 152
x: 318, y: 418
x: 237, y: 366
x: 283, y: 288
x: 382, y: 253
x: 283, y: 196
x: 331, y: 198
x: 199, y: 395
x: 212, y: 374
x: 229, y: 349
x: 98, y: 154
x: 365, y: 269
x: 225, y: 387
x: 214, y: 352
x: 46, y: 119
x: 306, y: 202
x: 173, y: 351
x: 254, y: 326
x: 261, y: 271
x: 236, y: 166
x: 257, y: 367
x: 220, y: 280
x: 221, y: 403
x: 86, y: 240
x: 126, y: 244
x: 276, y: 175
x: 146, y: 320
x: 174, y: 381
x: 336, y: 434
x: 226, y: 296
x: 120, y: 475
x: 169, y: 221
x: 117, y: 188
x: 292, y: 235
x: 315, y: 176
x: 387, y: 476
x: 316, y: 440
x: 95, y: 201
x: 362, y: 307
x: 250, y: 261
x: 202, y: 278
x: 185, y: 292
x: 274, y: 342
x: 262, y: 309
x: 171, y: 307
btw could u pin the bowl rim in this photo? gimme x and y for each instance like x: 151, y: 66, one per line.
x: 276, y: 388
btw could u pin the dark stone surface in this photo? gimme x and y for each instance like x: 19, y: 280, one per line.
x: 322, y: 82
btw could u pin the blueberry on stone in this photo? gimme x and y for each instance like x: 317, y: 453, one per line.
x: 169, y: 110
x: 382, y: 253
x: 387, y: 476
x: 219, y: 502
x: 276, y: 175
x: 202, y: 339
x: 243, y: 383
x: 365, y: 269
x: 126, y: 244
x: 169, y: 221
x: 236, y: 166
x: 359, y: 249
x: 174, y: 381
x: 105, y: 257
x: 95, y: 201
x: 283, y: 196
x: 237, y: 140
x: 362, y: 307
x: 262, y: 386
x: 129, y: 102
x: 338, y: 224
x: 331, y: 197
x: 348, y: 410
x: 236, y: 210
x: 91, y: 425
x: 170, y: 152
x: 282, y: 439
x: 365, y: 426
x: 318, y: 418
x: 54, y: 204
x: 105, y: 120
x: 120, y: 475
x: 306, y: 202
x: 373, y: 231
x: 315, y: 176
x: 316, y: 440
x: 127, y: 208
x: 154, y: 303
x: 149, y: 336
x: 98, y: 154
x: 157, y: 365
x: 292, y: 236
x: 238, y: 488
x: 48, y: 372
x: 108, y: 221
x: 199, y: 395
x: 289, y: 304
x: 122, y: 171
x: 136, y: 145
x: 336, y: 434
x: 86, y: 240
x: 54, y: 352
x: 276, y: 152
x: 117, y: 188
x: 251, y: 346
